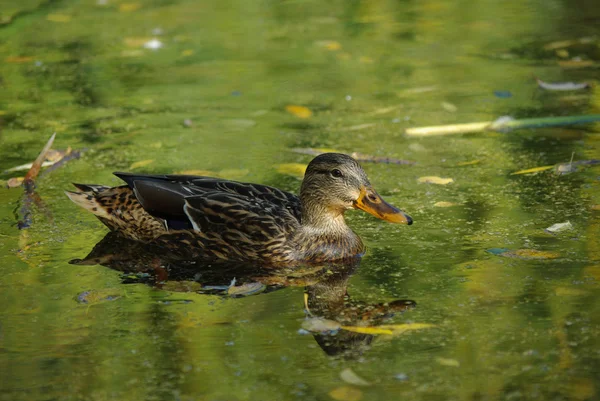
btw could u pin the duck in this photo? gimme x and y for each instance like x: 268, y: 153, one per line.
x: 221, y: 220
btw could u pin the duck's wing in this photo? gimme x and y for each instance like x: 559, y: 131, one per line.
x: 213, y: 202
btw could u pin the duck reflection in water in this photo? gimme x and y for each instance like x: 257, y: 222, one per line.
x: 326, y: 299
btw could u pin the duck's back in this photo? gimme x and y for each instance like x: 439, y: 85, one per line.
x: 217, y: 218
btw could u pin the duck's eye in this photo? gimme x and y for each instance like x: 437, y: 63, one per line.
x: 336, y: 173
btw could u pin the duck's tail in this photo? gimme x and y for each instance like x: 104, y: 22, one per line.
x: 119, y: 210
x: 88, y: 198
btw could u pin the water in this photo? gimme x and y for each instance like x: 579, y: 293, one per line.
x: 505, y: 327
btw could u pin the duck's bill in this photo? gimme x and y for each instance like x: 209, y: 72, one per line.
x: 372, y: 203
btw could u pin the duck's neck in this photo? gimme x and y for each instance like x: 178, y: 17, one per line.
x: 321, y: 219
x: 324, y: 235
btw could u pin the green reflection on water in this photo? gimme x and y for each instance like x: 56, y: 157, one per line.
x: 518, y: 329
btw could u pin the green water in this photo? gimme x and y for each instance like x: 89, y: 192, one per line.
x: 506, y: 328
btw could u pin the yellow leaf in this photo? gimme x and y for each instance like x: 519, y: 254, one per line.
x: 436, y: 180
x: 298, y: 111
x: 398, y: 329
x: 58, y: 17
x: 576, y: 63
x: 187, y: 52
x: 329, y: 45
x: 448, y: 362
x: 295, y: 169
x: 469, y: 163
x: 367, y: 330
x: 346, y: 393
x: 532, y: 254
x: 136, y: 41
x: 18, y: 59
x: 204, y: 173
x: 128, y: 7
x: 141, y: 163
x: 444, y: 204
x: 533, y: 170
x: 385, y: 110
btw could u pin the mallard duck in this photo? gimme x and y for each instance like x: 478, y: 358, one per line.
x: 226, y: 220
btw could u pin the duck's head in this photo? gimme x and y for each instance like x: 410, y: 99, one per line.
x: 334, y: 182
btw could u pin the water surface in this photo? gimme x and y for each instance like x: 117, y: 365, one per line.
x: 505, y: 327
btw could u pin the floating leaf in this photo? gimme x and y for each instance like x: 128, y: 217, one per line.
x: 435, y: 180
x: 532, y: 254
x: 449, y: 107
x: 572, y: 64
x: 18, y: 59
x: 58, y: 17
x: 350, y: 377
x: 398, y: 329
x: 329, y: 44
x: 295, y: 169
x: 187, y: 52
x: 141, y: 163
x: 448, y: 362
x: 27, y: 166
x: 14, y: 182
x: 318, y: 325
x: 136, y: 42
x: 558, y: 227
x: 367, y: 330
x: 129, y: 7
x: 418, y: 90
x: 469, y: 163
x: 385, y: 110
x: 299, y: 111
x: 562, y: 86
x: 444, y: 204
x: 346, y: 393
x: 533, y: 170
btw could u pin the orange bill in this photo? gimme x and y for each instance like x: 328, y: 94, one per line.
x: 372, y: 203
